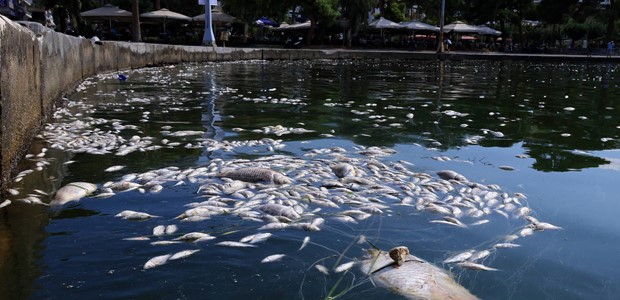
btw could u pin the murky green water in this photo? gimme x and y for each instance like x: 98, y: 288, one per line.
x: 544, y: 130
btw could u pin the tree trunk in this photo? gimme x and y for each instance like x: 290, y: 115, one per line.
x: 246, y: 30
x: 135, y: 22
x: 611, y: 25
x: 310, y: 32
x: 157, y: 4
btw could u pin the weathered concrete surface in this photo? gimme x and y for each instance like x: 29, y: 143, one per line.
x: 20, y: 93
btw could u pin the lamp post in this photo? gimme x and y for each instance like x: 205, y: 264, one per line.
x: 440, y: 48
x: 208, y: 38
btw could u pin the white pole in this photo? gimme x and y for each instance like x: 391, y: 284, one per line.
x: 208, y: 39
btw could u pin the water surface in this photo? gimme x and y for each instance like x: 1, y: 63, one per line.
x: 548, y: 131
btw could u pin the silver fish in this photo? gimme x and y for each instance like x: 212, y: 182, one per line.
x: 156, y: 261
x: 256, y: 175
x: 193, y: 236
x: 322, y: 269
x: 474, y: 266
x: 182, y: 254
x: 235, y: 244
x: 272, y: 258
x: 256, y: 238
x: 114, y: 168
x: 304, y: 243
x: 344, y: 267
x: 459, y: 257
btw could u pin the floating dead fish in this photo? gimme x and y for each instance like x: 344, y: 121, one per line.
x: 170, y: 229
x: 506, y: 245
x: 114, y: 168
x: 304, y: 243
x: 156, y: 261
x: 73, y: 192
x: 165, y: 243
x: 272, y: 258
x: 451, y: 175
x: 256, y: 175
x: 5, y: 203
x: 474, y: 266
x: 344, y: 267
x: 159, y: 230
x: 134, y: 215
x: 195, y: 236
x: 343, y: 170
x: 137, y: 238
x: 414, y: 279
x: 459, y: 257
x: 545, y: 226
x: 256, y: 238
x: 478, y: 255
x: 182, y: 254
x: 322, y: 269
x: 235, y: 244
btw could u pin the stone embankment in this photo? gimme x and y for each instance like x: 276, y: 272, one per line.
x: 36, y: 70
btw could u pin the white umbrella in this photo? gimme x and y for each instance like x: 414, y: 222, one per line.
x: 106, y: 12
x: 485, y: 30
x: 216, y: 17
x: 165, y: 16
x: 460, y: 27
x: 420, y: 26
x: 383, y: 23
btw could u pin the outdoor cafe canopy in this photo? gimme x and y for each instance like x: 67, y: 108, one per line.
x: 165, y: 16
x: 216, y: 17
x: 419, y: 26
x: 460, y: 27
x: 107, y: 12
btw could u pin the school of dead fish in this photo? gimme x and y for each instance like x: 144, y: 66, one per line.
x: 279, y: 192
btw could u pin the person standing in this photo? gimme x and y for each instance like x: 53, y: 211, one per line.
x: 610, y: 48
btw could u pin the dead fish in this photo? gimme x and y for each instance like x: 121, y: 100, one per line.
x: 506, y: 245
x: 156, y: 261
x: 256, y: 175
x: 414, y: 279
x: 459, y: 257
x: 256, y: 238
x: 137, y: 238
x: 165, y: 243
x: 114, y: 168
x: 343, y: 170
x: 272, y: 258
x: 134, y: 215
x: 170, y: 229
x: 194, y: 236
x: 478, y: 255
x: 322, y: 269
x: 73, y: 192
x: 182, y: 254
x: 474, y: 266
x: 304, y: 243
x: 479, y: 222
x: 545, y: 226
x: 235, y: 244
x: 280, y: 210
x: 159, y: 230
x: 344, y: 267
x: 451, y: 175
x: 5, y: 203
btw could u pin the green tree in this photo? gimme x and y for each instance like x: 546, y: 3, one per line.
x: 355, y: 11
x: 324, y: 11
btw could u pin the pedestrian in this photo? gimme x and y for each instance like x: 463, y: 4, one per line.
x: 448, y: 44
x: 610, y: 48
